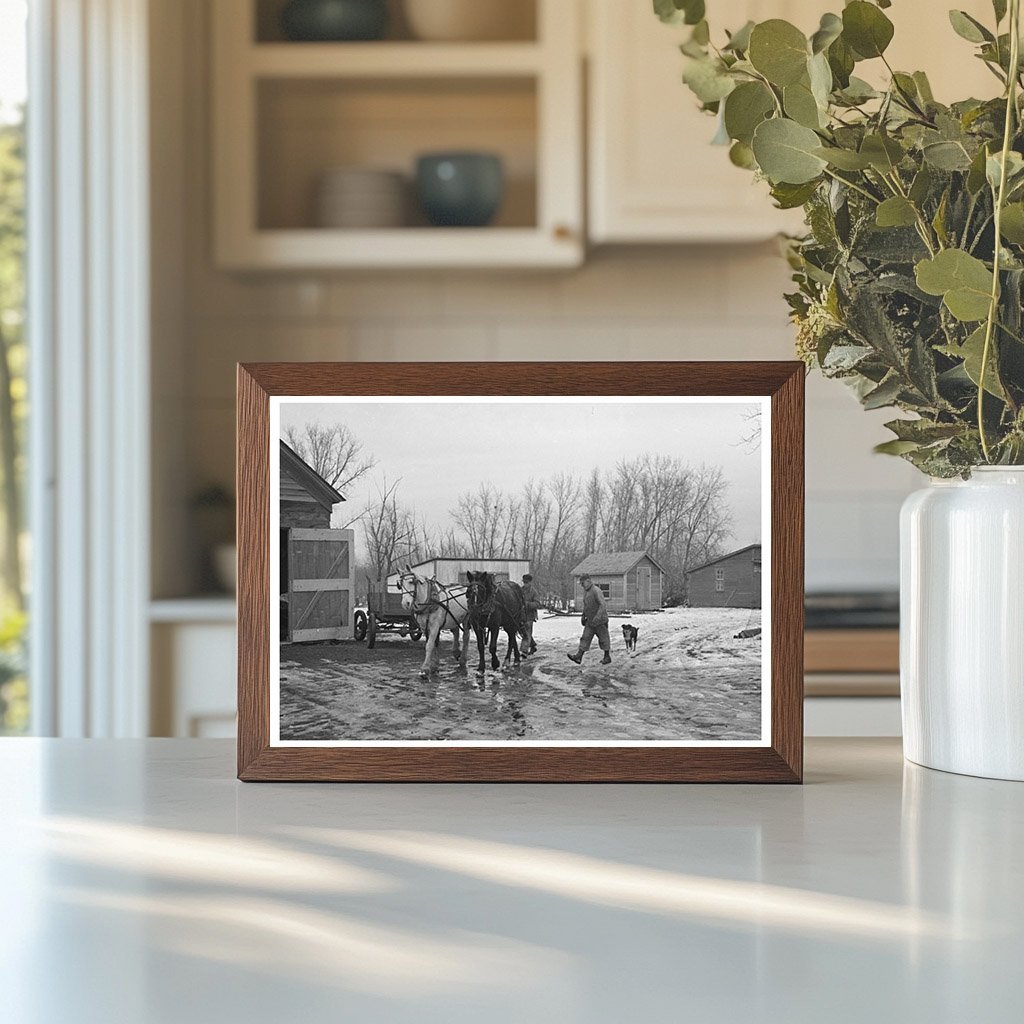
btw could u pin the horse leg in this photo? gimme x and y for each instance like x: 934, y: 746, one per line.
x: 456, y: 646
x: 513, y: 645
x: 481, y: 638
x: 495, y: 664
x: 428, y: 655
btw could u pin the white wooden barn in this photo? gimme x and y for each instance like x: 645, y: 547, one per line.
x: 453, y: 570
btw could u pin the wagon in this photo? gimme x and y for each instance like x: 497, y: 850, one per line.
x: 383, y: 611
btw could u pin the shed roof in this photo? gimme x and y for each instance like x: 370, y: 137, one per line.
x: 722, y: 558
x: 305, y: 475
x: 612, y: 563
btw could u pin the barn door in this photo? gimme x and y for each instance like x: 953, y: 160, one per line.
x: 643, y: 580
x: 319, y: 584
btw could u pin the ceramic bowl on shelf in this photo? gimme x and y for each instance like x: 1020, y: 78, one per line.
x: 361, y: 198
x: 469, y: 20
x: 460, y: 189
x: 332, y: 21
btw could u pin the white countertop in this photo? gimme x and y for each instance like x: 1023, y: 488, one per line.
x: 143, y: 885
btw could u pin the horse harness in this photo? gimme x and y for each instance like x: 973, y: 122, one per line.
x: 433, y: 600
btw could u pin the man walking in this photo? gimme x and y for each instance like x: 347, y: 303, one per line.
x: 595, y: 623
x: 532, y: 601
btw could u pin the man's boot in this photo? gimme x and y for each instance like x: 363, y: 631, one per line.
x: 607, y: 659
x: 577, y: 657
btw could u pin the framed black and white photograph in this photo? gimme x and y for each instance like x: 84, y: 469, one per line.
x: 520, y: 571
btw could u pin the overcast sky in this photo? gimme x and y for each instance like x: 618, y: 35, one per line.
x: 441, y: 450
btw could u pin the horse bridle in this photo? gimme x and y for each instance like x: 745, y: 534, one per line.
x: 433, y: 601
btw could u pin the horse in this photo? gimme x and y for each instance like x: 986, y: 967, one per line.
x: 436, y: 607
x: 494, y: 606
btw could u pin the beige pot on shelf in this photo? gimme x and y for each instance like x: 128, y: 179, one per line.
x: 467, y: 21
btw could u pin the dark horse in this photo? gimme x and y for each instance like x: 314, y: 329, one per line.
x: 492, y: 607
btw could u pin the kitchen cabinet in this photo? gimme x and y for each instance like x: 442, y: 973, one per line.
x: 287, y: 113
x: 653, y: 175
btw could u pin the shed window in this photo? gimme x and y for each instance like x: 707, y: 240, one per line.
x: 605, y: 588
x: 720, y: 579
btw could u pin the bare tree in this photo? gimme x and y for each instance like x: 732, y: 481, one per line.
x: 385, y: 530
x: 751, y: 437
x: 333, y: 451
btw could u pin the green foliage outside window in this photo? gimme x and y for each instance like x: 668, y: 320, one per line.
x: 13, y: 411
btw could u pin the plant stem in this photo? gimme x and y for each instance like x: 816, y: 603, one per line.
x: 993, y: 309
x: 855, y: 187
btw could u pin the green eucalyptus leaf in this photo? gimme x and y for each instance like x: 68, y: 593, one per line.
x: 866, y: 29
x: 841, y: 60
x: 785, y: 152
x: 708, y: 80
x: 946, y: 156
x: 883, y: 153
x: 994, y: 168
x: 924, y: 87
x: 844, y: 159
x: 745, y: 108
x: 976, y: 173
x: 739, y: 41
x: 789, y: 197
x: 820, y: 76
x: 896, y: 212
x: 800, y: 105
x: 895, y: 447
x: 829, y: 30
x: 1012, y: 223
x: 701, y: 33
x: 741, y: 155
x: 921, y: 185
x: 969, y: 28
x: 676, y: 12
x: 963, y: 281
x: 999, y: 7
x: 858, y: 91
x: 779, y: 51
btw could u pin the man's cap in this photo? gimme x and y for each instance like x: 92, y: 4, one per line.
x: 585, y: 576
x: 527, y: 577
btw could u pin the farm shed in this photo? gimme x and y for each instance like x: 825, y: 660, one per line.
x: 453, y: 570
x: 629, y: 580
x: 316, y: 562
x: 732, y: 581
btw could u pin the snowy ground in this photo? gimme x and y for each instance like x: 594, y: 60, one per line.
x: 689, y: 679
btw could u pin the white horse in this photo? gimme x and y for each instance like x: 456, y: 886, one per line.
x: 436, y: 607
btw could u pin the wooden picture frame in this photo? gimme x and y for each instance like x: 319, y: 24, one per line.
x: 779, y: 759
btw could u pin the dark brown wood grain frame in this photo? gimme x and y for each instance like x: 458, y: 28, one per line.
x: 782, y: 761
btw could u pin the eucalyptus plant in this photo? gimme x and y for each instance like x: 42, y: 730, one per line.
x: 909, y: 280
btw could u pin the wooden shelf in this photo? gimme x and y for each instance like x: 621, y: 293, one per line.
x: 284, y: 113
x: 393, y: 60
x: 401, y: 247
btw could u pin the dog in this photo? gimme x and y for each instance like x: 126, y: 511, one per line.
x: 629, y: 634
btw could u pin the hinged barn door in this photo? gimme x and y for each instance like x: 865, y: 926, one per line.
x: 319, y: 584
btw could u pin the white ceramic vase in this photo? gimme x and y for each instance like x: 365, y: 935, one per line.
x: 962, y: 624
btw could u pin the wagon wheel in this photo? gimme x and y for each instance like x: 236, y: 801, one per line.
x: 371, y: 633
x: 360, y: 626
x: 415, y: 633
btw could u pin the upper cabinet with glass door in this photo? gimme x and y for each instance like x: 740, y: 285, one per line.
x: 653, y: 174
x: 449, y: 134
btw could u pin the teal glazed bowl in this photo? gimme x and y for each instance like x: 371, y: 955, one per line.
x: 460, y: 190
x: 334, y: 21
